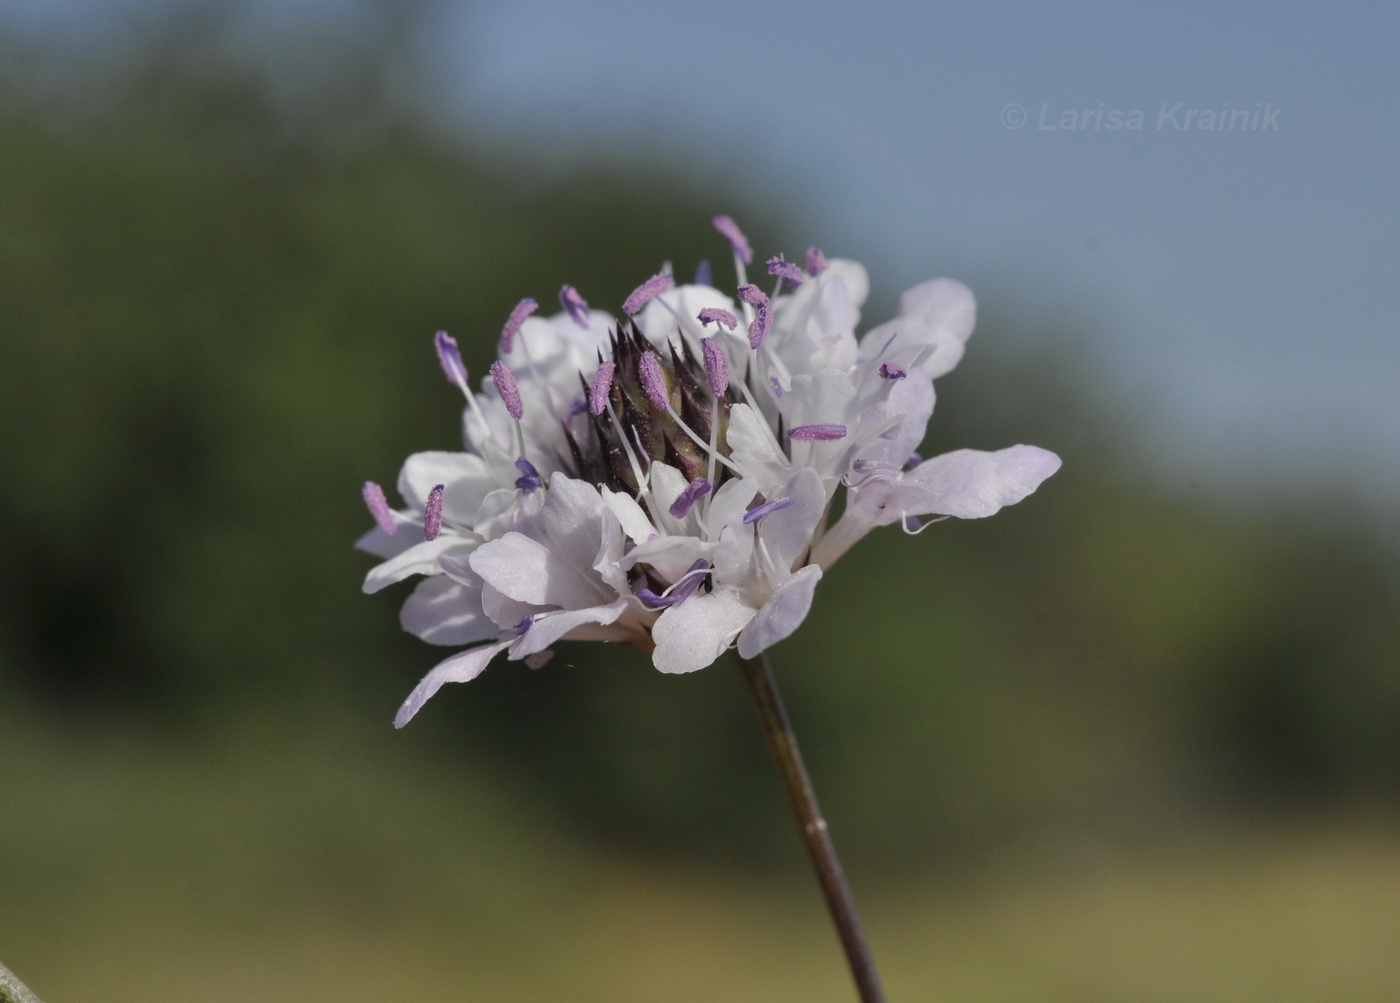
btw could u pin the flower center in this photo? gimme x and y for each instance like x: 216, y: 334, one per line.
x: 647, y: 406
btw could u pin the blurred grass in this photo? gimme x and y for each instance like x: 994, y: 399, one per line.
x: 325, y: 864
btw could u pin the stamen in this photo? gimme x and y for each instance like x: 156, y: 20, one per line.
x: 505, y: 386
x: 756, y: 298
x: 716, y: 366
x: 679, y: 592
x: 517, y: 317
x: 914, y: 460
x: 702, y: 273
x: 575, y: 305
x: 529, y: 478
x: 450, y: 359
x: 786, y: 270
x: 890, y: 371
x: 816, y: 261
x: 778, y: 390
x: 693, y: 492
x: 767, y: 508
x: 653, y: 380
x: 602, y: 383
x: 646, y: 292
x: 713, y: 314
x: 432, y: 514
x: 736, y: 238
x: 817, y: 433
x: 378, y: 507
x: 525, y: 624
x: 752, y: 295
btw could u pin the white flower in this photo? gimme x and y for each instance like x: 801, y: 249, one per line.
x: 675, y: 495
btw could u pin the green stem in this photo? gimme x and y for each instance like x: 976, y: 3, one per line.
x: 777, y: 729
x: 12, y: 990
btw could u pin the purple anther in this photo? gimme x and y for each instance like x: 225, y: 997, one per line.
x: 758, y: 330
x: 767, y: 508
x: 432, y: 514
x: 716, y: 367
x: 817, y: 433
x: 736, y: 238
x: 378, y: 507
x: 517, y: 317
x: 575, y: 304
x: 752, y: 295
x: 702, y: 273
x: 693, y: 492
x: 653, y: 380
x: 786, y: 270
x: 778, y: 390
x: 579, y: 406
x: 646, y: 292
x: 889, y: 371
x: 681, y: 591
x: 914, y: 460
x: 450, y: 358
x: 529, y: 478
x: 756, y: 298
x: 524, y: 625
x: 715, y: 315
x: 602, y: 383
x: 816, y: 261
x: 505, y: 386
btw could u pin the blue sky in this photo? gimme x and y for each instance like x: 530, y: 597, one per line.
x: 1239, y: 285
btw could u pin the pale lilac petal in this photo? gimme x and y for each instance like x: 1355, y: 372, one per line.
x: 787, y: 533
x: 692, y: 635
x: 935, y: 318
x: 630, y: 515
x: 501, y: 609
x: 466, y: 477
x: 574, y: 518
x: 530, y: 572
x: 384, y: 545
x: 547, y: 628
x: 420, y: 559
x: 971, y: 484
x: 782, y: 614
x: 442, y: 611
x: 460, y: 668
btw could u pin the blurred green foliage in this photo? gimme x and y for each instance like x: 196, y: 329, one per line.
x: 217, y: 312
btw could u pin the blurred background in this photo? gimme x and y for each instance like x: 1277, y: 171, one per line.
x: 1136, y: 738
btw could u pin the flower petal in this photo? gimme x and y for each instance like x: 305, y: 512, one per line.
x: 782, y: 614
x: 530, y: 572
x: 972, y: 484
x: 460, y: 668
x: 692, y: 635
x: 442, y: 611
x: 420, y: 559
x: 466, y: 480
x: 787, y: 532
x: 550, y: 627
x: 938, y: 315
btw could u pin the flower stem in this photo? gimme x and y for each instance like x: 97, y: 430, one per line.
x: 12, y: 990
x: 777, y: 729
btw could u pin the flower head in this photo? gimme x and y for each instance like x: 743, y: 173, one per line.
x: 666, y: 481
